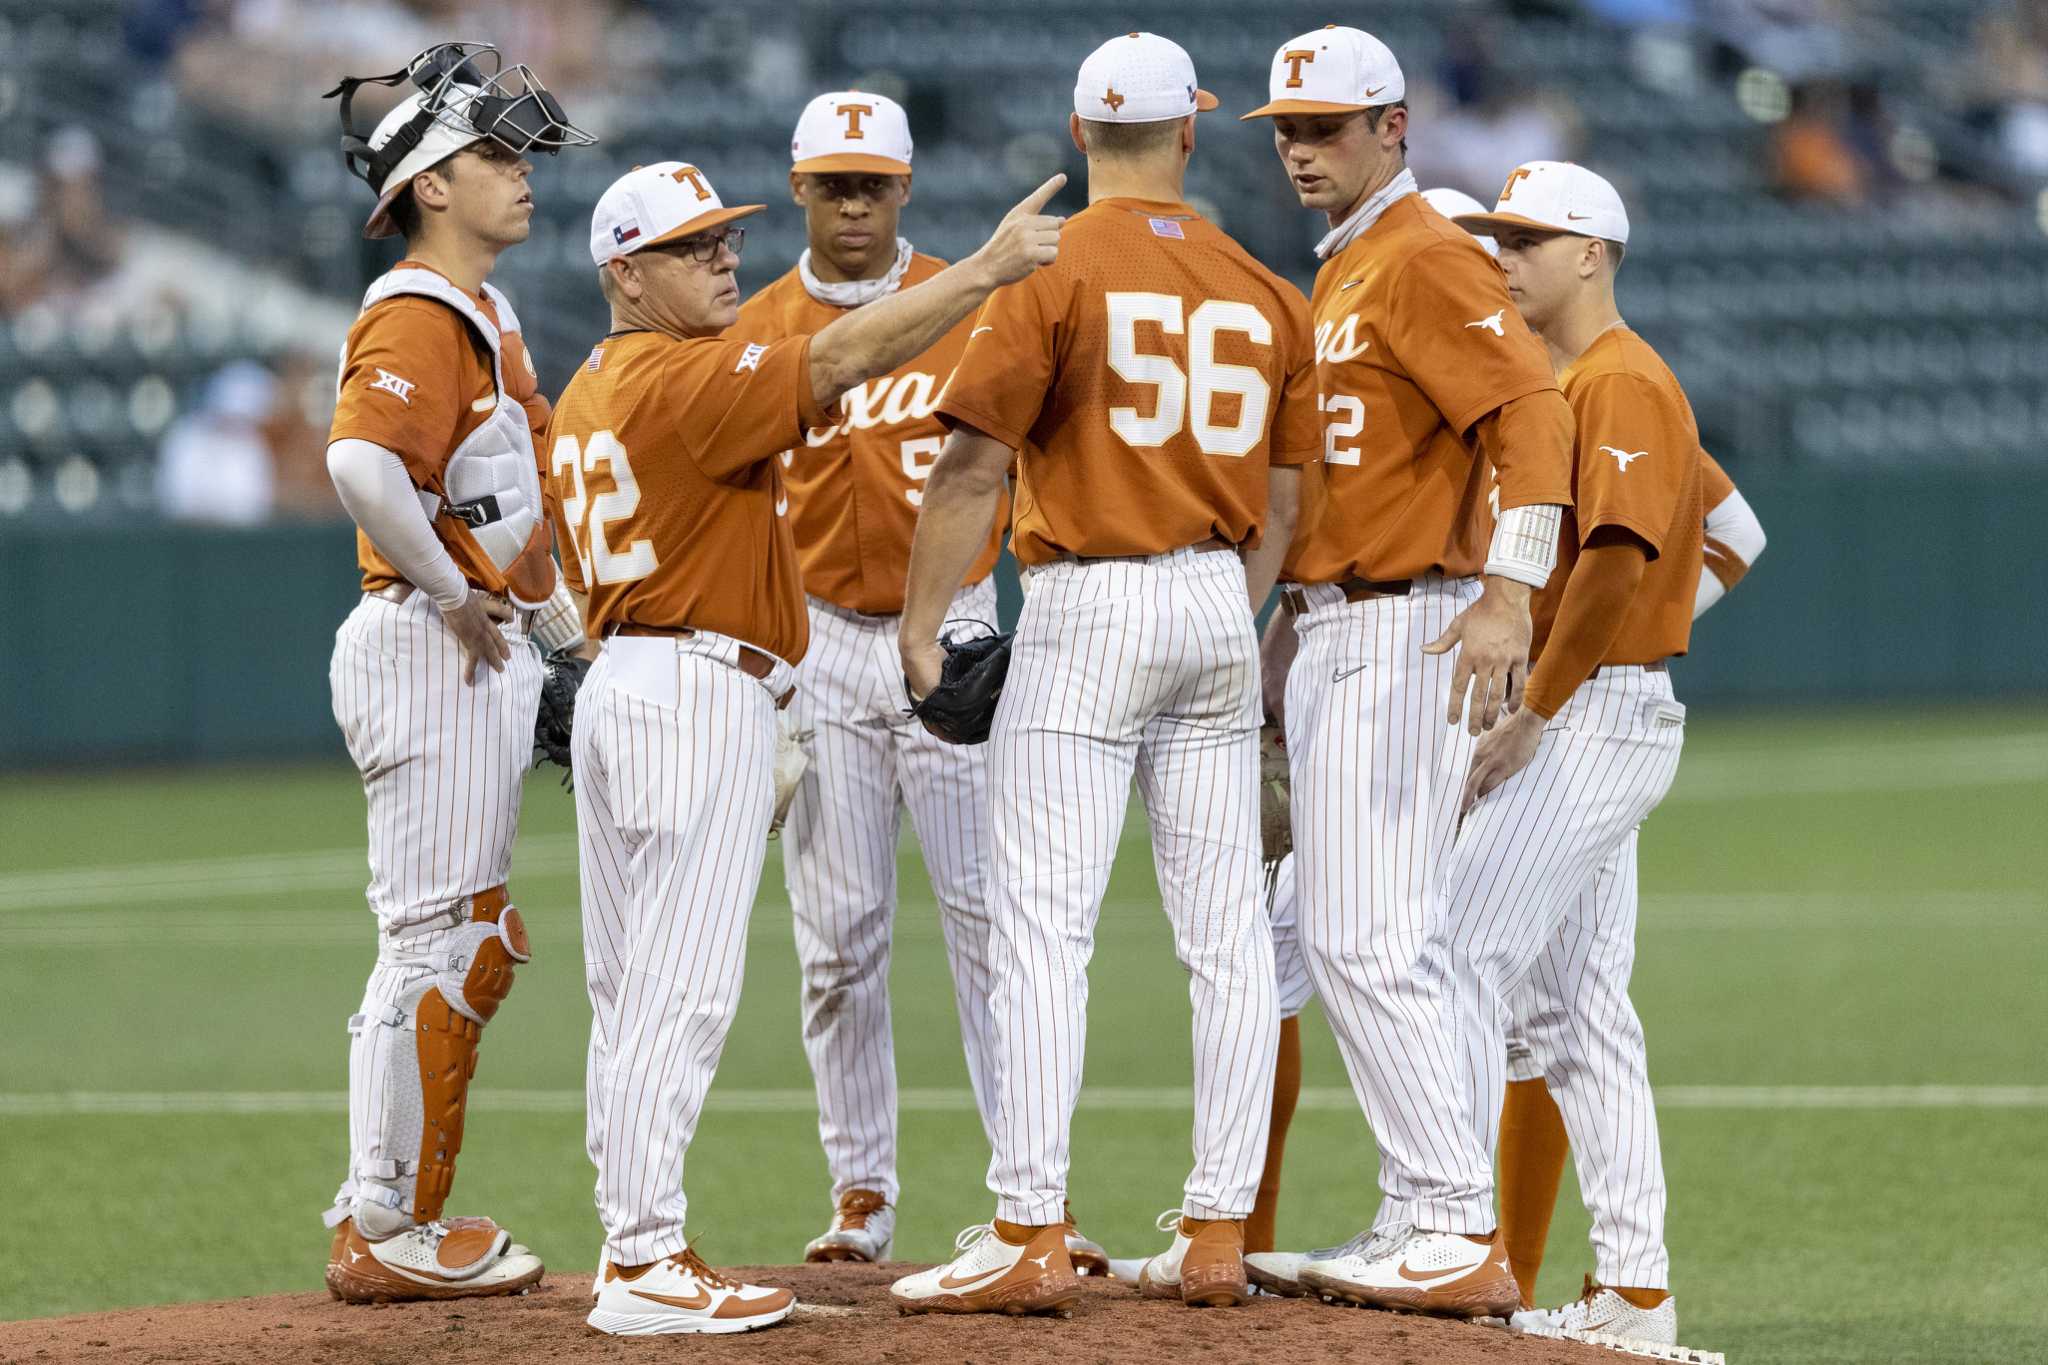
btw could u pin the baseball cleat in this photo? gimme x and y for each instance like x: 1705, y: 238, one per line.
x: 683, y: 1295
x: 1419, y: 1272
x: 1204, y: 1268
x: 1279, y: 1272
x: 991, y: 1275
x: 1599, y: 1311
x: 863, y: 1229
x: 460, y: 1258
x: 1088, y: 1257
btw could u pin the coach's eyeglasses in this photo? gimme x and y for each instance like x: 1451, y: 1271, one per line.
x: 703, y: 248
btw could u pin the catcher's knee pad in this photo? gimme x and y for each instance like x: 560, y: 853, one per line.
x: 423, y: 1051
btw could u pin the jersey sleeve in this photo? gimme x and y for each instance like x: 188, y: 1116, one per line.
x: 398, y: 389
x: 1004, y: 374
x: 1715, y: 485
x: 1298, y: 423
x: 738, y: 402
x: 1459, y: 337
x: 1634, y: 453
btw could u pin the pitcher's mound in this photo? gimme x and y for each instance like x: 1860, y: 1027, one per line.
x: 845, y: 1316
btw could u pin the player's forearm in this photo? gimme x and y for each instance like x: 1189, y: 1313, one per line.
x: 1283, y: 509
x: 1529, y: 443
x: 960, y: 501
x: 377, y: 492
x: 1596, y: 602
x: 1734, y: 540
x: 877, y: 338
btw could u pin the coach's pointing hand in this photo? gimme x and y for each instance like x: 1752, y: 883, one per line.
x: 1026, y: 239
x: 474, y: 625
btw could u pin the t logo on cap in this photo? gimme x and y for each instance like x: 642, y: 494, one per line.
x: 853, y: 113
x: 1295, y: 60
x: 694, y: 178
x: 1508, y: 189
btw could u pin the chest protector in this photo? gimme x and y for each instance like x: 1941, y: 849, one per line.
x: 491, y: 482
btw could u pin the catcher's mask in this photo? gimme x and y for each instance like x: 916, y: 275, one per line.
x: 465, y: 94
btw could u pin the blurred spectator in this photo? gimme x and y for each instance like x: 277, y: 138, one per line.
x: 1798, y: 39
x: 1493, y: 124
x: 1822, y: 150
x: 296, y: 432
x: 2010, y: 66
x: 88, y: 245
x: 216, y: 464
x: 26, y: 242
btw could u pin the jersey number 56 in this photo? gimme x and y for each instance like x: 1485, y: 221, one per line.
x: 1204, y: 380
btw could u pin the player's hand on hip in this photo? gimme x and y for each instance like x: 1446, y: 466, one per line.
x: 923, y: 664
x: 1501, y: 753
x: 1492, y: 640
x: 474, y: 625
x: 1026, y: 239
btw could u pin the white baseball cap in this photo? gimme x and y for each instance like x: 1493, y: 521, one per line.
x: 1555, y: 196
x: 1332, y: 70
x: 655, y: 205
x: 846, y: 130
x: 1454, y: 204
x: 1139, y: 78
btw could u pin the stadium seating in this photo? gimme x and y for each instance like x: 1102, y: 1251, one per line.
x: 1904, y: 333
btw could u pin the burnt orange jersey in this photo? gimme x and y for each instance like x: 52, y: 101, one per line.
x: 662, y: 465
x: 855, y: 485
x: 1416, y: 340
x: 1638, y: 466
x: 417, y: 379
x: 1146, y: 379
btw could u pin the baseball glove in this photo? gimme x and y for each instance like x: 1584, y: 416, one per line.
x: 961, y: 708
x: 1276, y: 828
x: 561, y: 675
x: 792, y: 759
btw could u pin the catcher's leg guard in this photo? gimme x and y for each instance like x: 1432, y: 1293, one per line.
x: 418, y: 1054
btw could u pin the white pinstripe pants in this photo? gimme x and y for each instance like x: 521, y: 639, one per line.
x: 1376, y: 775
x: 441, y: 761
x: 1147, y: 666
x: 869, y: 760
x: 1541, y: 935
x: 674, y: 753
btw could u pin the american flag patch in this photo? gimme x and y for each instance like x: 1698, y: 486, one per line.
x: 1166, y: 227
x: 623, y: 235
x: 596, y: 359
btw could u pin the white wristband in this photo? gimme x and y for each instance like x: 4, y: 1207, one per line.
x: 1525, y: 543
x: 557, y: 624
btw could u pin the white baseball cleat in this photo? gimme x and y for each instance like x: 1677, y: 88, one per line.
x: 863, y: 1229
x: 1419, y: 1272
x: 604, y: 1260
x: 1204, y: 1268
x: 990, y: 1275
x: 455, y: 1258
x: 1599, y: 1311
x: 683, y: 1295
x: 1279, y: 1272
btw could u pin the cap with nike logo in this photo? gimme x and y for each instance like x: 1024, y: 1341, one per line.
x: 1332, y: 70
x: 1554, y: 196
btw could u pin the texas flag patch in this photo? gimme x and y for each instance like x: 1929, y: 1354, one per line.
x: 623, y: 235
x: 1166, y: 227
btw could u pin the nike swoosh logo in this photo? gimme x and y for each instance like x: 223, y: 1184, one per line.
x: 948, y: 1282
x: 978, y: 331
x: 701, y: 1299
x: 1348, y: 284
x: 1374, y: 91
x: 1424, y: 1276
x: 1341, y: 674
x: 1578, y: 217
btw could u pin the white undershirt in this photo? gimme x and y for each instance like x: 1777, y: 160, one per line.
x: 379, y: 494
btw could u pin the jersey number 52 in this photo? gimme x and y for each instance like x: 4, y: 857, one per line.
x: 1205, y: 379
x: 601, y: 563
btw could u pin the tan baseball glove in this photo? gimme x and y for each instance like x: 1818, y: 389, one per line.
x: 1276, y: 826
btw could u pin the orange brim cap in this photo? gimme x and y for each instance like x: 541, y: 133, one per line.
x: 1301, y: 107
x: 703, y: 222
x: 859, y: 162
x: 1488, y: 224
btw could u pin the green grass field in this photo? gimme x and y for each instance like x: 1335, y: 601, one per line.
x: 1835, y: 904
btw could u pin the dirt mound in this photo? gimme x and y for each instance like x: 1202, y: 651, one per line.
x: 846, y: 1317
